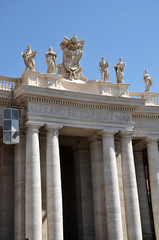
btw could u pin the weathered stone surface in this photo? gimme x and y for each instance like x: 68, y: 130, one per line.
x: 98, y: 188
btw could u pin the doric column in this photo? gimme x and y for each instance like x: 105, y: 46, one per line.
x: 121, y: 188
x: 19, y: 189
x: 130, y: 189
x: 153, y: 162
x: 53, y: 183
x: 43, y: 182
x: 33, y: 206
x: 98, y: 188
x: 84, y: 196
x: 142, y: 192
x: 112, y: 198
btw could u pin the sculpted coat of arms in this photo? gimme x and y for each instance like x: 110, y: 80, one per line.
x: 72, y: 53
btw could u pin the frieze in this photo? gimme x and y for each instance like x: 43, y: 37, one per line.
x: 83, y: 114
x: 145, y: 116
x: 8, y: 103
x: 78, y: 104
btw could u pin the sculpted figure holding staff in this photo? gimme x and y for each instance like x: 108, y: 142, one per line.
x: 28, y: 57
x: 51, y: 61
x: 119, y: 69
x: 148, y: 81
x: 103, y: 68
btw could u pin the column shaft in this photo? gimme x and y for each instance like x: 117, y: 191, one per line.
x: 33, y: 209
x: 54, y: 191
x: 98, y: 190
x: 130, y: 190
x: 84, y: 196
x: 43, y: 185
x: 113, y: 209
x: 121, y: 188
x: 19, y: 189
x: 153, y: 161
x: 142, y: 192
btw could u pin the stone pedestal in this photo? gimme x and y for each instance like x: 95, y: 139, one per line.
x: 33, y: 206
x: 53, y: 180
x: 153, y: 161
x: 112, y: 197
x: 130, y: 189
x: 98, y: 189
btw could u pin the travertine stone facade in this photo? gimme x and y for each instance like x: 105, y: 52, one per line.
x: 87, y: 164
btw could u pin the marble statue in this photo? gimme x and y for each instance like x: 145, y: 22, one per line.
x: 72, y: 53
x: 51, y: 61
x: 119, y: 69
x: 148, y: 81
x: 103, y: 68
x: 28, y: 56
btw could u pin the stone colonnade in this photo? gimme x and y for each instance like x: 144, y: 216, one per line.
x: 108, y: 219
x: 153, y: 161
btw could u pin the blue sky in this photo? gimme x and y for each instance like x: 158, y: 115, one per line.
x: 111, y: 28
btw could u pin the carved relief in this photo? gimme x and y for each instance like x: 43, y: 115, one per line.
x: 72, y: 53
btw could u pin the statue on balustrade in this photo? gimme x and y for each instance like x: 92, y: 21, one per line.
x: 119, y: 69
x: 72, y: 53
x: 51, y: 61
x: 148, y: 81
x: 28, y: 57
x: 103, y: 68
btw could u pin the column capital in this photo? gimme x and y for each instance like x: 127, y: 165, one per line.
x: 108, y: 134
x: 151, y: 139
x: 53, y: 128
x: 94, y: 138
x: 126, y: 134
x: 33, y: 126
x: 110, y: 131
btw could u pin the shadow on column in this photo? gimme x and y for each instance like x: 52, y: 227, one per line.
x: 68, y: 193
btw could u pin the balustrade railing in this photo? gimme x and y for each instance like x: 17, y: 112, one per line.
x: 8, y: 83
x: 136, y: 95
x: 152, y: 98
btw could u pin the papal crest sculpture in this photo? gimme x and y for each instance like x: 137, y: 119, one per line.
x: 72, y: 53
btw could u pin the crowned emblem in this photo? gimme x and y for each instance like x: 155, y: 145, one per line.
x: 72, y: 53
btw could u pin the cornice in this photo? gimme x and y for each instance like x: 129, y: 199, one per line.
x: 62, y: 97
x: 145, y: 116
x: 144, y: 132
x: 7, y: 103
x: 78, y: 104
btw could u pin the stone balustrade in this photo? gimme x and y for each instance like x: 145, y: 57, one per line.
x: 151, y: 97
x: 93, y: 87
x: 7, y: 83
